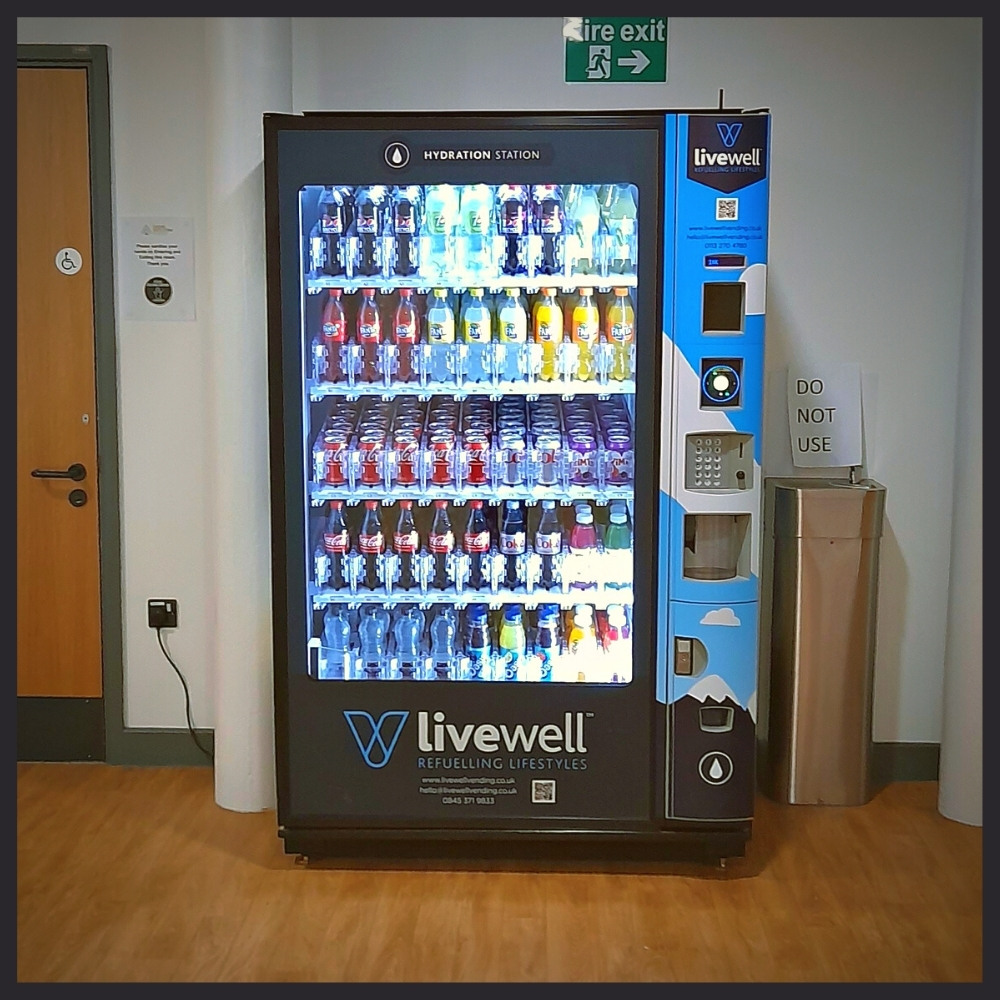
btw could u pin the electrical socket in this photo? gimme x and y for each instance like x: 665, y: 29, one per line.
x: 162, y: 613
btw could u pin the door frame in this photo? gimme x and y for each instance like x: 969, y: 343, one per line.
x: 136, y: 746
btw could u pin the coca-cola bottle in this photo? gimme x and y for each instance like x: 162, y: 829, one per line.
x: 512, y: 540
x: 336, y: 543
x: 371, y: 543
x: 405, y: 334
x: 405, y: 543
x: 441, y: 543
x: 333, y: 335
x: 548, y: 540
x: 476, y: 542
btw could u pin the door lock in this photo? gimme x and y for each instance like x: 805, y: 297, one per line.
x: 77, y: 497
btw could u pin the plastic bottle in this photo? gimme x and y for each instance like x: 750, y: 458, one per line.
x: 336, y: 544
x: 440, y: 333
x: 405, y: 543
x: 371, y: 543
x: 583, y: 214
x: 548, y: 541
x: 619, y: 326
x: 477, y: 332
x: 620, y: 222
x: 405, y: 334
x: 583, y: 634
x: 512, y: 330
x: 408, y: 633
x: 368, y: 226
x: 476, y: 542
x: 326, y: 243
x: 373, y: 630
x: 617, y: 547
x: 584, y: 333
x: 441, y: 543
x: 549, y: 223
x: 583, y: 547
x: 336, y: 639
x: 617, y: 635
x: 369, y: 327
x: 404, y: 225
x: 512, y: 540
x: 547, y: 330
x: 547, y: 639
x: 332, y: 337
x: 440, y: 222
x: 512, y: 641
x: 475, y: 229
x: 478, y: 643
x: 513, y: 223
x: 443, y: 632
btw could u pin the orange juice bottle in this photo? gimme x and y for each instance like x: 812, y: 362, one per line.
x: 620, y: 331
x: 547, y: 330
x: 584, y: 332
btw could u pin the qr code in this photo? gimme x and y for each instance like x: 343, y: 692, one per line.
x: 543, y: 791
x: 727, y: 209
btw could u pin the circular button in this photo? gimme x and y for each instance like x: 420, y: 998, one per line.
x: 720, y: 383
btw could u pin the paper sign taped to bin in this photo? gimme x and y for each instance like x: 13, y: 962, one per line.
x: 824, y: 415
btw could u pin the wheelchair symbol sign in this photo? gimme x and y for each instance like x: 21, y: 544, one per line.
x: 68, y: 261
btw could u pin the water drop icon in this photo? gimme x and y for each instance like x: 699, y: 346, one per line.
x: 397, y: 156
x: 715, y: 771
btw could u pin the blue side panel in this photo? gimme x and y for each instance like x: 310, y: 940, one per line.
x: 715, y: 292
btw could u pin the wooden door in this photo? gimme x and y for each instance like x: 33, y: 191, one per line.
x: 58, y: 568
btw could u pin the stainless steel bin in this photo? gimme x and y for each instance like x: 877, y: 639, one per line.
x: 819, y: 607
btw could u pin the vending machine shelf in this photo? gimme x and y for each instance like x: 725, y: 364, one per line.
x: 599, y: 597
x: 567, y: 389
x: 529, y: 493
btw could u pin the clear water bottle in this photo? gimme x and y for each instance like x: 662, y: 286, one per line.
x: 337, y: 640
x: 444, y: 631
x: 408, y: 632
x: 373, y: 632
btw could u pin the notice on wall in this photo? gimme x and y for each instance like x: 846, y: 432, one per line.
x: 824, y: 415
x: 157, y: 269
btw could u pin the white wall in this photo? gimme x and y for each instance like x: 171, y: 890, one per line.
x: 873, y: 126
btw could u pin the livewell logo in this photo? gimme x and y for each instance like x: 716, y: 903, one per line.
x: 727, y: 154
x: 376, y: 739
x: 729, y: 132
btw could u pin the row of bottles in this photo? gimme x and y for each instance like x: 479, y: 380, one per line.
x: 441, y: 231
x: 503, y: 337
x: 512, y: 644
x: 427, y: 445
x: 554, y: 549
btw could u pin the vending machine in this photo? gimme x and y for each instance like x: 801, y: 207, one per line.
x: 516, y: 371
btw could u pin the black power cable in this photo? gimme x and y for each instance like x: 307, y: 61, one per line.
x: 187, y: 700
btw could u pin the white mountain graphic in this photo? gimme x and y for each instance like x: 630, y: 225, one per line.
x: 714, y: 687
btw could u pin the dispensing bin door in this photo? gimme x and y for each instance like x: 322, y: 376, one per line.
x: 822, y: 541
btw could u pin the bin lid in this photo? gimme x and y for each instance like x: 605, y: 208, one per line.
x: 825, y: 508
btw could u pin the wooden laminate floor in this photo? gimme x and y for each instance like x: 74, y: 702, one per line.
x: 129, y: 874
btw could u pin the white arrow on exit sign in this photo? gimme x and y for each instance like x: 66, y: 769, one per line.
x: 638, y: 61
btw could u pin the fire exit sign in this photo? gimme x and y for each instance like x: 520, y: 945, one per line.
x: 615, y: 49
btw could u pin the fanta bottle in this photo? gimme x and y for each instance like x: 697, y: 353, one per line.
x: 584, y: 333
x: 547, y: 330
x: 620, y: 331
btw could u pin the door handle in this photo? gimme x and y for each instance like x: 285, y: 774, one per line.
x: 75, y: 472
